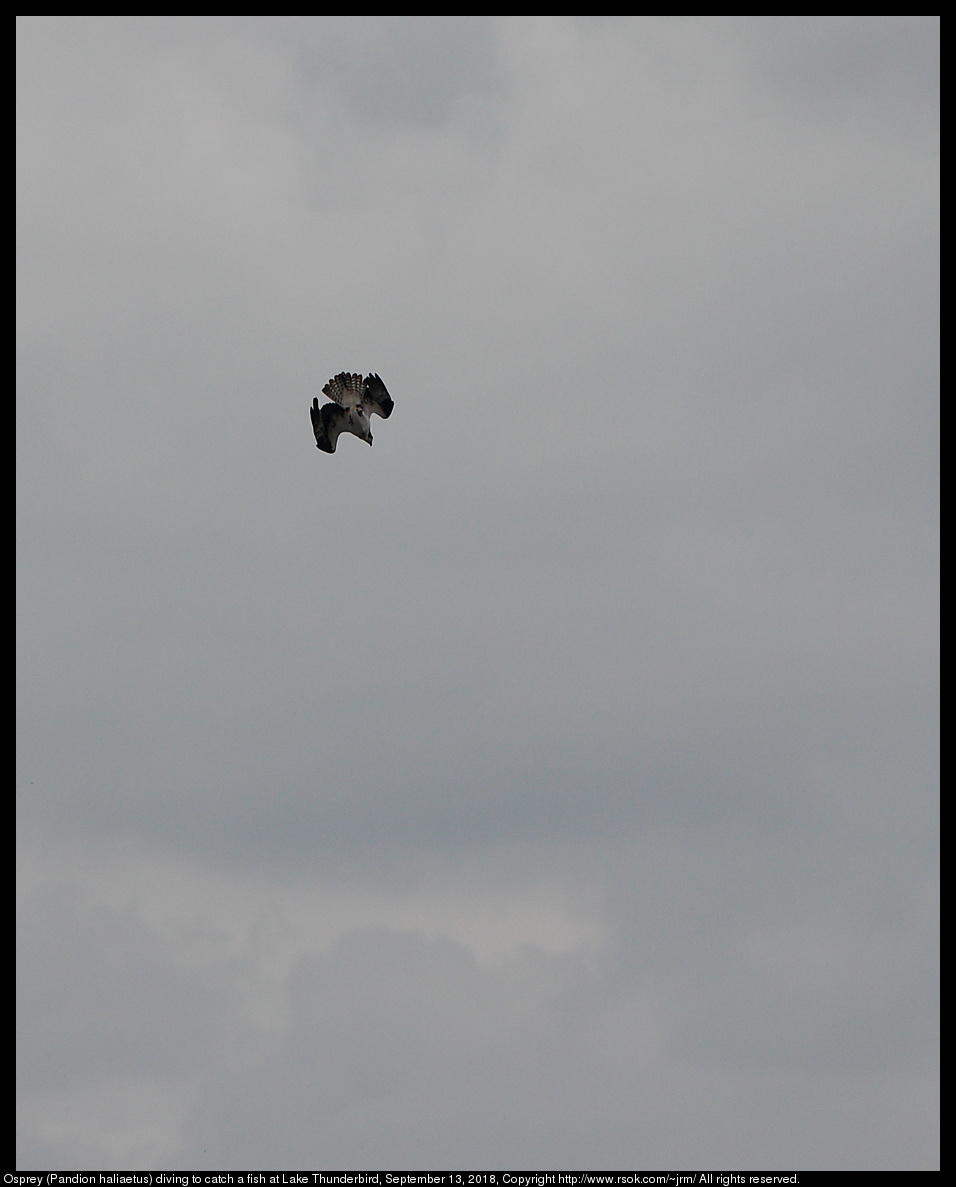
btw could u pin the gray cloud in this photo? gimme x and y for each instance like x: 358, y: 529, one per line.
x: 439, y: 800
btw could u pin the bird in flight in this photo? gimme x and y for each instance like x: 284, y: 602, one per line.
x: 353, y: 400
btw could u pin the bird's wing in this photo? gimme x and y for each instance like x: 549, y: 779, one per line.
x: 376, y: 397
x: 345, y: 389
x: 327, y: 422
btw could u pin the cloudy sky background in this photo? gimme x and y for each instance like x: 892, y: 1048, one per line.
x: 554, y: 783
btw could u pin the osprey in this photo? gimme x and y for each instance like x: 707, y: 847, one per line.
x: 353, y: 402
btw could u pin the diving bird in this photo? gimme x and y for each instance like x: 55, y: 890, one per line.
x: 354, y: 399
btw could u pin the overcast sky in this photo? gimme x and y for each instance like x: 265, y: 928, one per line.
x: 552, y: 784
